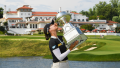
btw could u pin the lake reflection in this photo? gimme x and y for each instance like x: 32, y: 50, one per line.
x: 39, y: 62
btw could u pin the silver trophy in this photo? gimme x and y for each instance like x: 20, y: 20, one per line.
x: 71, y: 33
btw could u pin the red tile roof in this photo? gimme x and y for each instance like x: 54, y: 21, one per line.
x: 111, y: 21
x: 20, y: 22
x: 110, y: 24
x: 33, y: 22
x: 89, y: 22
x: 82, y: 29
x: 43, y: 15
x: 14, y: 18
x: 12, y: 12
x: 46, y: 13
x: 87, y: 31
x: 33, y: 30
x: 25, y: 7
x: 74, y: 12
x: 40, y: 28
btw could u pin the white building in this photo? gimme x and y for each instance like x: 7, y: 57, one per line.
x: 24, y: 20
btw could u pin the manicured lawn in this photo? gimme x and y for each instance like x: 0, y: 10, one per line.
x: 109, y: 52
x: 108, y: 48
x: 22, y: 37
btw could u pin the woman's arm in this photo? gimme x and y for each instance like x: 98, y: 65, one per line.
x: 60, y: 56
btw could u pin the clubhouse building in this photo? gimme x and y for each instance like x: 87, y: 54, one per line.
x: 25, y: 21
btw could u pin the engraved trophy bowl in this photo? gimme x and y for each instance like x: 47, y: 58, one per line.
x: 71, y: 33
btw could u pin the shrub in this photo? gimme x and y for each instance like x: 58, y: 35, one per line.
x: 1, y: 32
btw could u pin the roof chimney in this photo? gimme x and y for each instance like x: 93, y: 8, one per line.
x: 9, y: 9
x: 60, y: 9
x: 4, y: 9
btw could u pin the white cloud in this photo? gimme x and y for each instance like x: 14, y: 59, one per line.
x: 53, y: 5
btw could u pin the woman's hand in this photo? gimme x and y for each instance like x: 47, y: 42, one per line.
x: 73, y: 45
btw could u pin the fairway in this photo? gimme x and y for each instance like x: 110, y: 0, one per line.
x: 110, y: 51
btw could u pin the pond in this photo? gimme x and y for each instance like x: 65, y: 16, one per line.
x: 39, y: 62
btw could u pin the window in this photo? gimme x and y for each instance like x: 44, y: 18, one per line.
x: 33, y: 25
x: 45, y: 17
x: 49, y: 17
x: 102, y: 25
x: 78, y: 19
x: 36, y: 25
x: 21, y: 13
x: 28, y: 10
x: 21, y: 10
x: 86, y: 19
x: 36, y: 18
x: 104, y: 28
x: 20, y: 25
x: 30, y: 25
x: 28, y: 13
x: 12, y: 20
x: 25, y: 10
x: 82, y: 19
x: 74, y: 19
x: 40, y: 17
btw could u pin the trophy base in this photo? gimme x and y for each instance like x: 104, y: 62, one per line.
x: 73, y: 35
x: 81, y: 38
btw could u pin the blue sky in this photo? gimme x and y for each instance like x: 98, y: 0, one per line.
x: 51, y: 5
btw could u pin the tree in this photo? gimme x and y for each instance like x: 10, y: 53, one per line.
x: 92, y: 18
x: 2, y: 28
x: 114, y: 3
x: 74, y: 11
x: 116, y: 18
x: 82, y: 12
x: 87, y: 27
x: 101, y: 17
x: 1, y: 12
x: 6, y: 25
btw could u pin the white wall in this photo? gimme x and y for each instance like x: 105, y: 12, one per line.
x: 11, y: 16
x: 24, y: 15
x: 108, y: 27
x: 78, y: 16
x: 102, y: 34
x: 41, y: 25
x: 19, y: 30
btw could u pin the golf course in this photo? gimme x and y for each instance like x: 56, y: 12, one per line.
x: 107, y: 48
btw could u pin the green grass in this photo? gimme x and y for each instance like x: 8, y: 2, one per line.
x: 108, y: 48
x: 10, y: 48
x: 22, y: 37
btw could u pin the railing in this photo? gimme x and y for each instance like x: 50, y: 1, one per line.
x: 116, y: 34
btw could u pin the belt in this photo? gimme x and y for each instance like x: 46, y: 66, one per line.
x: 61, y: 61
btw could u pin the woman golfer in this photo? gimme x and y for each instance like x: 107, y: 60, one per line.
x: 57, y: 46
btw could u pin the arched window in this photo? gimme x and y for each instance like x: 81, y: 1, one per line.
x: 82, y: 19
x: 36, y: 18
x: 78, y: 19
x: 74, y: 19
x: 40, y: 17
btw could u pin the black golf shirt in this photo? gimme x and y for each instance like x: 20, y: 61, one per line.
x: 55, y: 43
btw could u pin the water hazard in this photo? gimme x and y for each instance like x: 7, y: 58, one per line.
x: 39, y: 62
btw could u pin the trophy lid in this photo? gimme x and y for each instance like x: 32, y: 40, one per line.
x: 63, y: 16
